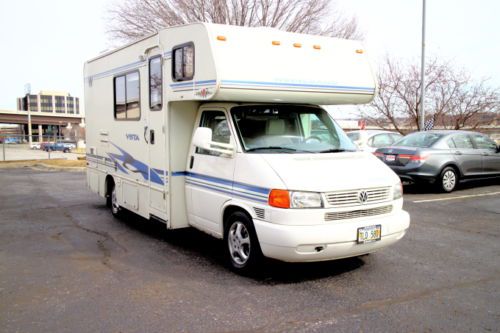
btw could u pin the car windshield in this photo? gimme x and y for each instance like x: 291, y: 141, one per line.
x: 289, y: 129
x: 419, y: 139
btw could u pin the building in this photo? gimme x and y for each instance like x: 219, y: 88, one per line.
x: 50, y: 102
x: 52, y: 115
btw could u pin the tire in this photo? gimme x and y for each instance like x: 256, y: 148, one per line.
x: 242, y: 246
x: 448, y: 180
x: 65, y: 150
x: 113, y: 201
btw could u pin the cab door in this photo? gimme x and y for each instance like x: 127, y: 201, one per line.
x: 209, y: 177
x: 154, y: 135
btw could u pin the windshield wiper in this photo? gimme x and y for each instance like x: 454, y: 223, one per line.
x: 271, y: 147
x: 335, y: 150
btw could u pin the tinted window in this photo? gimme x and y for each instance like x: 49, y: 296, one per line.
x: 395, y: 137
x: 419, y: 139
x: 483, y: 142
x: 120, y: 111
x: 450, y: 143
x: 462, y: 141
x: 155, y: 83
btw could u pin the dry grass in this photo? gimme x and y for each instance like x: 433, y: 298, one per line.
x: 54, y: 163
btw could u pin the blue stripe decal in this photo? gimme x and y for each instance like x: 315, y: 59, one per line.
x: 219, y: 189
x: 226, y: 182
x: 291, y: 85
x: 197, y: 83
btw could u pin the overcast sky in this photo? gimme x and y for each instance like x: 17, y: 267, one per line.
x: 45, y: 43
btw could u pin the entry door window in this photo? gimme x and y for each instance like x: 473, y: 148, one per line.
x: 217, y: 122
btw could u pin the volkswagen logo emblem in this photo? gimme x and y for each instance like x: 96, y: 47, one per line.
x: 362, y: 197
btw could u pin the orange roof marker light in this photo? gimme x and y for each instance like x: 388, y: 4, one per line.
x: 276, y: 42
x: 297, y: 45
x: 317, y: 47
x: 221, y: 38
x: 360, y: 51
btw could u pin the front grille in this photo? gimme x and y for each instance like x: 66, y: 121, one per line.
x: 350, y: 198
x: 354, y: 214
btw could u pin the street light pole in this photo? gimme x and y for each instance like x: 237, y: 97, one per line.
x: 28, y: 95
x: 422, y: 73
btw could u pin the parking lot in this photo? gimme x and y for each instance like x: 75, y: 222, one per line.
x: 66, y: 265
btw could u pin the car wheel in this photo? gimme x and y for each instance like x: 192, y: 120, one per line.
x: 66, y: 150
x: 242, y: 246
x: 448, y: 179
x: 115, y: 207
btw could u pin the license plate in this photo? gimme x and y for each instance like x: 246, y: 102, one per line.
x: 390, y: 158
x: 369, y: 234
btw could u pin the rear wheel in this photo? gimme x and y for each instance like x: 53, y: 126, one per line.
x: 242, y: 246
x: 66, y: 150
x: 448, y: 180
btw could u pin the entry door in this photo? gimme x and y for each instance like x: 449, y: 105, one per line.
x: 209, y: 180
x: 468, y: 158
x: 154, y: 134
x: 490, y: 156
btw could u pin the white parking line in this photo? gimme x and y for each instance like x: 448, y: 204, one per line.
x: 459, y: 197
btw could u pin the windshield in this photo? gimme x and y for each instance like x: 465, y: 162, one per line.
x: 419, y: 139
x: 288, y: 129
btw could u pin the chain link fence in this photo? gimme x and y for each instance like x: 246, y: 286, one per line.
x: 17, y: 147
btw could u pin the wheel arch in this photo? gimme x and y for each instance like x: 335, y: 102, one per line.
x: 231, y: 207
x: 454, y: 166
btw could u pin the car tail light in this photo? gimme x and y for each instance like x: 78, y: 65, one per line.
x: 415, y: 158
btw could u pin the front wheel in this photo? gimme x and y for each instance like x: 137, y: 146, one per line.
x: 242, y: 246
x: 448, y: 180
x: 115, y: 207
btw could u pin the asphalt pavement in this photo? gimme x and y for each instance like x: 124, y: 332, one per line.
x: 66, y: 265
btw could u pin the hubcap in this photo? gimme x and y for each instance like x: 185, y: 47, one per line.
x: 239, y: 243
x: 449, y: 180
x: 114, y: 202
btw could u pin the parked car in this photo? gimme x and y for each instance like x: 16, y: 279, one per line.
x: 443, y: 158
x: 370, y: 140
x: 12, y: 140
x: 65, y: 147
x: 35, y: 145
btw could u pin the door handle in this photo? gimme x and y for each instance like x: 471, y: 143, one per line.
x: 191, y: 162
x: 152, y: 137
x: 145, y: 131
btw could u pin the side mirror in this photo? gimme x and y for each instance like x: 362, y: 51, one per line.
x: 203, y: 139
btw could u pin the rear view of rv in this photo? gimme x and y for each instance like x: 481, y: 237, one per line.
x: 219, y: 128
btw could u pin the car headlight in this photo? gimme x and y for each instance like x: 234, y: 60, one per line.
x: 305, y: 200
x: 397, y: 191
x: 294, y: 199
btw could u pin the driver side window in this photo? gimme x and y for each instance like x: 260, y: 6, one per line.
x: 217, y: 122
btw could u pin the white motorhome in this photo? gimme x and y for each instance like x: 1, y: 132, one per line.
x: 218, y: 127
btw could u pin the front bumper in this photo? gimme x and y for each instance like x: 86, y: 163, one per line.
x: 299, y: 243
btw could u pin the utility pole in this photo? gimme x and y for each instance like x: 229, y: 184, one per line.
x: 27, y: 89
x: 422, y: 73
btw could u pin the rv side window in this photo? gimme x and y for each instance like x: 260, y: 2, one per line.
x: 155, y: 83
x: 127, y: 97
x: 183, y: 62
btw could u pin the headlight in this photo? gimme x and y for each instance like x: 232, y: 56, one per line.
x: 398, y: 191
x: 290, y: 199
x: 305, y: 200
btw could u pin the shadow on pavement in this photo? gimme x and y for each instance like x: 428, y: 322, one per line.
x: 194, y: 243
x: 465, y: 185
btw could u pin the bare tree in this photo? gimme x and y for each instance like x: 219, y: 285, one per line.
x: 452, y: 98
x: 132, y: 19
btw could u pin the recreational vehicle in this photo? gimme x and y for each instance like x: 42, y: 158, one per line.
x: 220, y: 128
